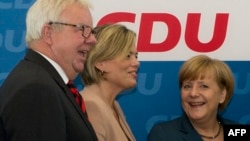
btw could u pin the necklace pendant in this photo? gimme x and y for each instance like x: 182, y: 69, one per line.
x: 215, y: 136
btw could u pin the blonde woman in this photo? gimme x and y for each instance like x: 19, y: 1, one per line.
x: 111, y: 67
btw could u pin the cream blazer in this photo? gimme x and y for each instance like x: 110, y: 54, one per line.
x: 102, y: 118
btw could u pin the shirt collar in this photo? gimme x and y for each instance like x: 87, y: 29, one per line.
x: 57, y: 67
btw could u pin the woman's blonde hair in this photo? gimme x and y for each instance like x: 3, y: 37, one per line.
x: 113, y: 40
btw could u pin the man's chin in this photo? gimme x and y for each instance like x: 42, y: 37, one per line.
x: 79, y: 69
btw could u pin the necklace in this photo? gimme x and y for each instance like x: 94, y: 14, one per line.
x: 215, y: 136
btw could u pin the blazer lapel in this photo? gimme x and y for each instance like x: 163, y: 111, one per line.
x: 125, y: 127
x: 188, y: 131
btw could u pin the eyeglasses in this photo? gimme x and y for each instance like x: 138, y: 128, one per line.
x: 86, y: 30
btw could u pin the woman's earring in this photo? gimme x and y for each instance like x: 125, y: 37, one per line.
x: 102, y: 72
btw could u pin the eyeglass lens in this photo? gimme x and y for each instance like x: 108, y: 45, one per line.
x: 86, y: 31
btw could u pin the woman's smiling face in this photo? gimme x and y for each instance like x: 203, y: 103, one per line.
x: 201, y: 97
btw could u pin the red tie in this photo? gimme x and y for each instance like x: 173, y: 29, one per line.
x: 77, y: 96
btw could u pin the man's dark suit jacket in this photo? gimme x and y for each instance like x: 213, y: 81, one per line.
x: 36, y: 105
x: 179, y: 129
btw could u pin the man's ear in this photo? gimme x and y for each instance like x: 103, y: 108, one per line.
x: 46, y: 34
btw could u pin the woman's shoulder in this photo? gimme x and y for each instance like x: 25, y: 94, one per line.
x: 171, y: 130
x: 173, y: 123
x: 226, y: 121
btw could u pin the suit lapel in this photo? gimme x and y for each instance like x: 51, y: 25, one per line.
x: 37, y: 58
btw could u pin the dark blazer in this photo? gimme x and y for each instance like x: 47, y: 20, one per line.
x: 179, y: 129
x: 36, y: 105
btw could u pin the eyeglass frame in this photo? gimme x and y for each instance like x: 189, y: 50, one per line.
x: 82, y: 27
